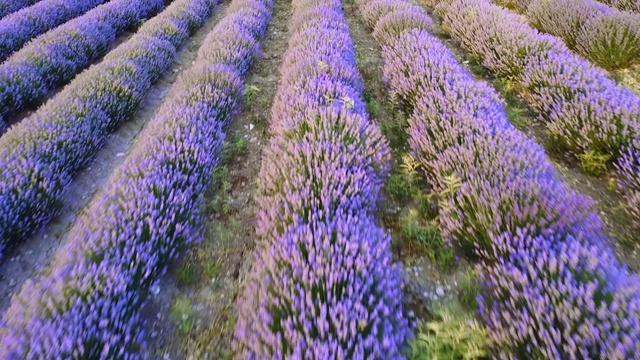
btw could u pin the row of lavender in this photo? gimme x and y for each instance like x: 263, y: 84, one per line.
x: 22, y: 26
x: 608, y: 37
x: 552, y: 287
x: 624, y: 5
x: 40, y: 155
x: 323, y: 284
x: 585, y: 111
x: 56, y: 57
x: 10, y: 6
x: 89, y: 305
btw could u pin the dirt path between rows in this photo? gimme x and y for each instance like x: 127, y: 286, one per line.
x: 608, y: 203
x: 192, y: 314
x: 33, y: 256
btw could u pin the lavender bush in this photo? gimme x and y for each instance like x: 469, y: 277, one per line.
x: 323, y: 285
x: 502, y: 40
x: 586, y: 112
x: 625, y: 5
x: 40, y: 155
x: 628, y: 169
x: 611, y: 40
x: 555, y: 297
x: 584, y: 109
x: 22, y: 26
x: 552, y: 286
x: 562, y: 18
x: 89, y: 306
x: 57, y: 56
x: 9, y: 6
x: 606, y: 36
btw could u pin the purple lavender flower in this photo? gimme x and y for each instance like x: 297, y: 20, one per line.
x: 88, y: 305
x: 55, y: 58
x: 9, y: 6
x: 24, y: 25
x: 40, y: 155
x: 323, y: 285
x: 552, y: 286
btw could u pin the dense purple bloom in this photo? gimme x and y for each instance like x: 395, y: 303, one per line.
x: 56, y: 57
x: 502, y: 40
x: 39, y: 156
x: 606, y: 36
x: 584, y: 109
x: 89, y: 304
x: 625, y: 5
x: 611, y: 40
x: 562, y: 18
x: 552, y: 286
x: 555, y: 297
x: 9, y: 6
x: 629, y: 179
x: 323, y: 285
x: 390, y: 25
x: 22, y: 26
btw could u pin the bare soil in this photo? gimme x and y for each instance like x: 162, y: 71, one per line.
x: 33, y: 107
x: 425, y: 282
x: 193, y: 315
x: 608, y: 203
x: 33, y: 256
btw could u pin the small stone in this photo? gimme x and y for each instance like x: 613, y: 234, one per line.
x: 12, y: 282
x: 28, y: 252
x: 439, y: 291
x: 155, y: 290
x: 425, y: 294
x: 251, y: 127
x: 154, y: 334
x: 120, y: 154
x: 411, y: 314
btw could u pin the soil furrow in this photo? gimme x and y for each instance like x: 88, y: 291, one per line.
x: 33, y: 256
x: 192, y: 312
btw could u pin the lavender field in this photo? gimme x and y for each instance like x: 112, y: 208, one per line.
x: 319, y: 179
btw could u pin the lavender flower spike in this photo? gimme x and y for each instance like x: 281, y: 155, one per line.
x: 89, y: 305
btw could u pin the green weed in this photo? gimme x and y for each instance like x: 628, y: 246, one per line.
x: 594, y: 163
x: 182, y: 313
x: 186, y: 275
x: 453, y: 334
x: 250, y: 93
x: 469, y: 289
x: 425, y: 235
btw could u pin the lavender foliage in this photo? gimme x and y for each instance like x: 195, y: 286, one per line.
x: 323, y: 284
x: 562, y: 18
x: 625, y: 5
x: 628, y: 169
x: 611, y: 40
x: 584, y: 110
x: 90, y: 303
x: 40, y: 155
x: 604, y: 35
x: 556, y: 297
x: 24, y: 25
x: 56, y: 57
x: 552, y: 286
x: 9, y: 6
